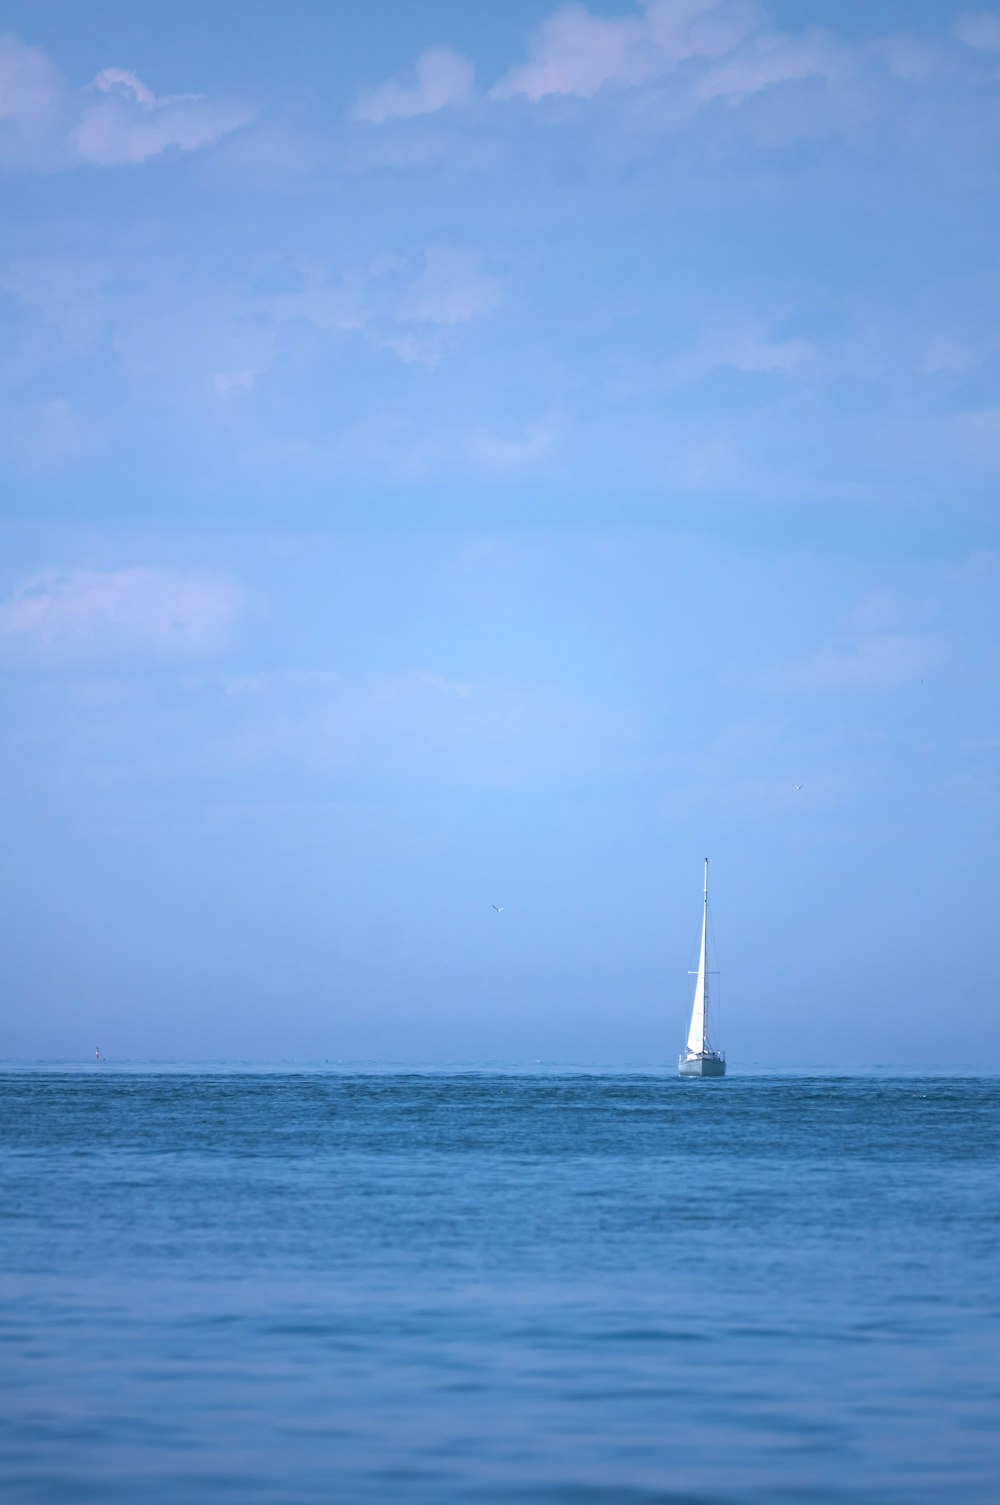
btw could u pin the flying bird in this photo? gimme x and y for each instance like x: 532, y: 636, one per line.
x: 498, y: 908
x: 800, y: 786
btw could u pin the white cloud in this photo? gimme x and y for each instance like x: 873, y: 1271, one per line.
x: 233, y: 383
x: 442, y: 77
x: 414, y: 349
x: 46, y: 436
x: 415, y: 724
x: 946, y: 355
x: 775, y: 357
x: 128, y: 123
x: 319, y: 300
x: 982, y: 565
x: 68, y: 295
x: 391, y: 304
x: 218, y: 343
x: 577, y: 52
x: 74, y: 614
x: 47, y: 124
x: 33, y: 104
x: 773, y: 59
x: 980, y: 432
x: 500, y: 452
x: 980, y: 29
x: 743, y: 345
x: 452, y: 289
x: 878, y: 661
x: 262, y: 682
x: 124, y: 83
x: 907, y: 57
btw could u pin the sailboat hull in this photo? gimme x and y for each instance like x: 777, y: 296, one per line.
x: 707, y: 1064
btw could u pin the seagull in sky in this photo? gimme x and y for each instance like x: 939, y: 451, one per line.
x: 498, y: 908
x: 800, y: 786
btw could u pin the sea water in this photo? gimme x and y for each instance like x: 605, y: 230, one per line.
x: 274, y: 1287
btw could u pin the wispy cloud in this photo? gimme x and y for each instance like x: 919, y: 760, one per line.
x: 262, y: 681
x: 68, y: 295
x: 34, y: 99
x: 980, y: 29
x: 233, y: 383
x: 741, y: 342
x: 44, y: 437
x: 322, y: 299
x: 167, y: 331
x: 441, y: 77
x: 124, y: 121
x: 402, y: 305
x: 412, y: 724
x: 774, y: 58
x: 980, y: 433
x: 577, y: 52
x: 73, y: 614
x: 47, y: 124
x: 876, y: 661
x: 709, y: 50
x: 907, y: 57
x: 451, y: 289
x: 509, y: 452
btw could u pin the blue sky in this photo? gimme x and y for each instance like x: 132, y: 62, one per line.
x: 456, y: 455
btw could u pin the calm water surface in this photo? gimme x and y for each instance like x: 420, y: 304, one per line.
x: 274, y: 1288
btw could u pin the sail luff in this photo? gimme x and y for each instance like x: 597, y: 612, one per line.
x: 696, y: 1040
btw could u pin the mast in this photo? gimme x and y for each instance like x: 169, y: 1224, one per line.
x: 697, y: 1040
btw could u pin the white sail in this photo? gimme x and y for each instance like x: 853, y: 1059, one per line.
x: 697, y: 1040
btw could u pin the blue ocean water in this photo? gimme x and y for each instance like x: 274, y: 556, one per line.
x: 281, y: 1287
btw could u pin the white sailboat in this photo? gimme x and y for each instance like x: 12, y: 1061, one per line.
x: 698, y: 1058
